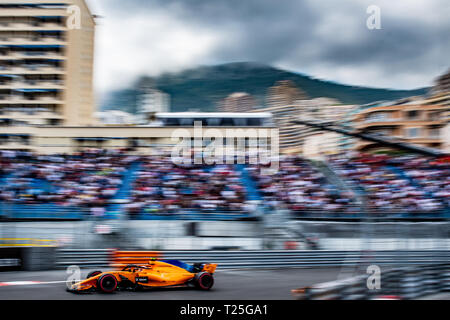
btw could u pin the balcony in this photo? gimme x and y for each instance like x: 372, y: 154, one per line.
x: 397, y: 122
x: 31, y: 41
x: 34, y: 84
x: 378, y: 122
x: 28, y: 114
x: 33, y: 12
x: 17, y: 55
x: 32, y: 26
x: 39, y: 54
x: 17, y: 70
x: 434, y: 134
x: 384, y: 119
x: 20, y: 99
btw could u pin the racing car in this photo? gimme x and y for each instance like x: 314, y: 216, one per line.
x: 157, y: 273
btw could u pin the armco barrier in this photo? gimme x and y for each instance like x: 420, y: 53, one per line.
x: 85, y: 258
x: 17, y: 258
x: 255, y: 259
x: 401, y: 283
x: 27, y: 242
x: 316, y: 258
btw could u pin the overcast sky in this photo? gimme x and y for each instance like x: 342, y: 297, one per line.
x: 327, y: 39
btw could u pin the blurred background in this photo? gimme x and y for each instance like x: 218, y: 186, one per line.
x: 86, y: 161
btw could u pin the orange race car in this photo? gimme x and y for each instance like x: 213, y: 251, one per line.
x: 157, y: 273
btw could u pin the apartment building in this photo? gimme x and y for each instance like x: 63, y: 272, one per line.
x: 238, y: 102
x: 115, y: 117
x: 317, y: 144
x: 418, y: 121
x: 446, y: 134
x: 152, y: 101
x: 284, y: 93
x: 442, y: 84
x: 287, y: 103
x: 46, y: 67
x: 280, y: 103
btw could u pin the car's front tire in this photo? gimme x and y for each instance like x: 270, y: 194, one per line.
x: 204, y: 280
x: 107, y: 283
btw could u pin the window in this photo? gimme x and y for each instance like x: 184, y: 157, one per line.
x: 413, y: 132
x: 434, y: 116
x: 378, y: 116
x: 434, y: 133
x: 413, y: 114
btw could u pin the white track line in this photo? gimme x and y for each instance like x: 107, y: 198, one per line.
x: 28, y: 283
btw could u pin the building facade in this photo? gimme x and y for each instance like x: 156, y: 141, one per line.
x: 142, y: 139
x: 152, y: 101
x: 287, y: 104
x: 446, y: 134
x: 46, y: 67
x: 46, y: 62
x: 318, y: 145
x: 284, y: 93
x: 418, y: 122
x: 109, y: 117
x: 442, y: 84
x: 238, y: 102
x: 280, y: 102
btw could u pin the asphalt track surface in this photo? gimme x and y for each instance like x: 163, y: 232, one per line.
x: 229, y: 285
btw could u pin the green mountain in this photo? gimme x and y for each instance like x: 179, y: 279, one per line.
x: 203, y: 87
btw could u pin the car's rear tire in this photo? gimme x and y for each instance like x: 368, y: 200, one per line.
x: 107, y: 283
x: 93, y: 274
x: 204, y: 281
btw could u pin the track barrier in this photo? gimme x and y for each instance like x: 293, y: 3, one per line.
x: 402, y: 283
x: 27, y: 242
x: 254, y: 259
x: 84, y: 258
x: 27, y: 258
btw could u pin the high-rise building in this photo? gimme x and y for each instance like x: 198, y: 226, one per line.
x: 445, y: 132
x: 418, y: 120
x: 238, y: 102
x: 280, y: 101
x: 115, y: 117
x: 317, y: 144
x: 284, y: 93
x: 152, y: 101
x: 442, y: 84
x: 286, y: 102
x: 46, y: 63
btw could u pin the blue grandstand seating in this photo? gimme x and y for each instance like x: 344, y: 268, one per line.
x: 114, y: 210
x: 249, y: 183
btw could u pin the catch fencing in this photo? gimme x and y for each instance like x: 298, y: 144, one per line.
x: 255, y: 259
x: 401, y: 283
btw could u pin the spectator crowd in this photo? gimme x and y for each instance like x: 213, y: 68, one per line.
x: 92, y: 179
x: 398, y: 184
x: 164, y: 187
x: 86, y: 179
x: 299, y: 187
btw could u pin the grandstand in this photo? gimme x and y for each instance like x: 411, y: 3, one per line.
x: 302, y: 189
x: 215, y: 119
x: 111, y: 184
x: 399, y: 186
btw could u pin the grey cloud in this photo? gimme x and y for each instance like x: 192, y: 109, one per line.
x: 270, y: 31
